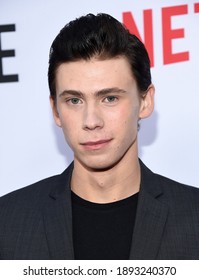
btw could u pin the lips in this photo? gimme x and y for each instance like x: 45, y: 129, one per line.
x: 96, y: 145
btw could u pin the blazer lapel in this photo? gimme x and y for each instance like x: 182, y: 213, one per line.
x: 149, y: 225
x: 150, y: 218
x: 58, y: 219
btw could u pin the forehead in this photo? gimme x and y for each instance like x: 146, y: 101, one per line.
x: 93, y: 74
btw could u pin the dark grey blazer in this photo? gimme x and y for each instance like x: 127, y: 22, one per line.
x: 36, y: 221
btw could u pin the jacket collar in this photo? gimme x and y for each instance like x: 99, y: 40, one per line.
x: 150, y: 217
x: 149, y: 225
x: 58, y: 218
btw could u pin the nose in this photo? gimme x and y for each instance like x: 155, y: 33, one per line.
x: 92, y: 118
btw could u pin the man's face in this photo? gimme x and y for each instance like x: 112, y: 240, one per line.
x: 98, y: 106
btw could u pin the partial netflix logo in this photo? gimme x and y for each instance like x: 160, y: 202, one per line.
x: 168, y: 33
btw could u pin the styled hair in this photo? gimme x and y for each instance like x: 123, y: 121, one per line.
x: 100, y: 36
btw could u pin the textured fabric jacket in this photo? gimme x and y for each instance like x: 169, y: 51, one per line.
x: 36, y: 221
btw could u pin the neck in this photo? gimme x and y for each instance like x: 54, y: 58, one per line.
x: 116, y: 183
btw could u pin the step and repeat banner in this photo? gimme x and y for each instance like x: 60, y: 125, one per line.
x: 32, y: 147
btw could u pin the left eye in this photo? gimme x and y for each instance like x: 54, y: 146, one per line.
x: 110, y: 99
x: 75, y: 100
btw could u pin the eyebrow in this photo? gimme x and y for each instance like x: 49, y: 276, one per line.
x: 71, y: 92
x: 99, y: 93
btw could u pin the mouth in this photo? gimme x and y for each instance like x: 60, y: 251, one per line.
x: 96, y: 145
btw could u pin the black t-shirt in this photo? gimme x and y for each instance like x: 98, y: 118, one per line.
x: 103, y: 231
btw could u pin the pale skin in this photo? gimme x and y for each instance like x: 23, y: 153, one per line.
x: 98, y: 106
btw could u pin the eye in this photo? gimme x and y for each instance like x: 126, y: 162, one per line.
x: 74, y: 101
x: 110, y: 99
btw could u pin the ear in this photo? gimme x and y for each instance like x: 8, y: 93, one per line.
x: 55, y: 111
x: 147, y: 103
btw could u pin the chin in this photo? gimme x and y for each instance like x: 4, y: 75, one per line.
x: 98, y: 166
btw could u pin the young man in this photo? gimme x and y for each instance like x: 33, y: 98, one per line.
x: 107, y: 204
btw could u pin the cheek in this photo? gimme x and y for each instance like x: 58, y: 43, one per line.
x: 69, y: 127
x: 129, y: 124
x: 127, y: 117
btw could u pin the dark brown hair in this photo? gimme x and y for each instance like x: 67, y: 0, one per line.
x: 102, y: 36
